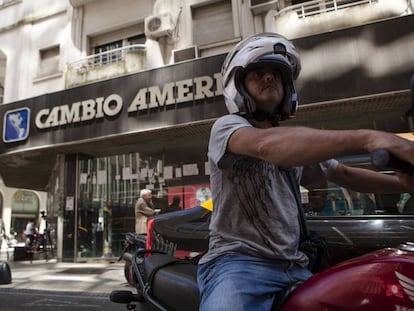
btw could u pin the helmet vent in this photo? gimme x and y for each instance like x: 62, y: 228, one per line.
x: 279, y: 48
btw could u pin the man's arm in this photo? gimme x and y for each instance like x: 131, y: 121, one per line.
x: 143, y: 209
x: 299, y: 146
x: 364, y: 180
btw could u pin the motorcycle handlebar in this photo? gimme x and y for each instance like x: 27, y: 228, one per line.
x: 382, y: 159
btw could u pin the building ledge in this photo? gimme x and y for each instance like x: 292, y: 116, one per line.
x: 77, y: 3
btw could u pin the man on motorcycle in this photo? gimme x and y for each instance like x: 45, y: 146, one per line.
x: 253, y: 248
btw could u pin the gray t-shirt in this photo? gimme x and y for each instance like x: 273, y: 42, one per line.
x: 255, y: 211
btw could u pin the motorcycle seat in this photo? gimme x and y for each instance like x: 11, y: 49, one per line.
x: 172, y: 282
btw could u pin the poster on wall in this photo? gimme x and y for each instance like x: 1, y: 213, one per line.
x: 190, y: 196
x: 69, y: 203
x: 196, y: 194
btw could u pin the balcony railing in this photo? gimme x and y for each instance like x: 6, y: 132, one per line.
x: 319, y: 16
x: 105, y: 58
x: 105, y: 65
x: 316, y: 7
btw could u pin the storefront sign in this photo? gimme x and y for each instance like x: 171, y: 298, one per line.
x: 81, y: 111
x: 25, y: 202
x: 16, y: 125
x: 162, y: 97
x: 171, y: 93
x: 177, y: 93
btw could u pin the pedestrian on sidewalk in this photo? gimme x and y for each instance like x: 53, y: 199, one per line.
x: 30, y: 232
x: 2, y: 232
x: 144, y: 208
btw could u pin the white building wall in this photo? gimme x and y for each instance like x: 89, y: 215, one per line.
x: 28, y: 26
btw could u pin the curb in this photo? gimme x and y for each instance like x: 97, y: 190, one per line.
x: 55, y: 292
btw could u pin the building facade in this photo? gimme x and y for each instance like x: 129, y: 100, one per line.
x: 101, y: 99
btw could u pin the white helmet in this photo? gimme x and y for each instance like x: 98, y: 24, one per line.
x: 264, y: 48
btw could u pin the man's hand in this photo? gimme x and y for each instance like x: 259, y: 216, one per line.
x: 406, y: 180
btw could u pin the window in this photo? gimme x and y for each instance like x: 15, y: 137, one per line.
x: 257, y: 2
x: 109, y: 187
x: 49, y: 61
x: 338, y: 201
x: 107, y: 47
x: 212, y: 23
x: 138, y: 39
x: 104, y: 56
x: 299, y: 1
x: 333, y: 200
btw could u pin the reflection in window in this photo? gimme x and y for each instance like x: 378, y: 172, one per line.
x: 333, y: 200
x: 109, y: 188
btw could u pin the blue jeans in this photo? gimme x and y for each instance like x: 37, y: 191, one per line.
x: 238, y: 282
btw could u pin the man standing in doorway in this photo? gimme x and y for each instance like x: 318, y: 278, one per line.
x: 143, y: 209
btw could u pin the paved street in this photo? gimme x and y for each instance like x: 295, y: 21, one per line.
x: 35, y: 300
x: 51, y: 285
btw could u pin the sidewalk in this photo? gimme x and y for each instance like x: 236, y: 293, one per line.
x: 86, y: 277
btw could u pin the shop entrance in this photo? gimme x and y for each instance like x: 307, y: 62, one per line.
x: 109, y: 186
x: 93, y: 213
x: 108, y: 189
x: 25, y: 207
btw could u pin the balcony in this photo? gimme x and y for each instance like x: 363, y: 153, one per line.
x: 314, y: 17
x: 312, y: 8
x: 106, y: 65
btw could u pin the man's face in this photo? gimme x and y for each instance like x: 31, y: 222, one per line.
x: 265, y: 86
x: 147, y: 197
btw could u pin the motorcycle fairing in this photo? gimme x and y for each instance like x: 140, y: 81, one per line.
x: 381, y: 280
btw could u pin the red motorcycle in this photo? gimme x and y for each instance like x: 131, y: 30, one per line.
x: 132, y: 243
x: 381, y: 280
